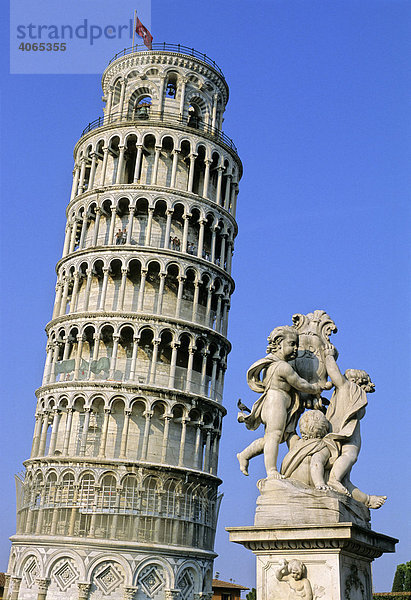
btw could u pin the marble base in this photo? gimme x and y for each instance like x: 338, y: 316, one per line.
x: 289, y: 501
x: 337, y: 559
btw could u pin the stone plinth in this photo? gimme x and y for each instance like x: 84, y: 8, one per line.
x: 289, y: 501
x: 336, y: 559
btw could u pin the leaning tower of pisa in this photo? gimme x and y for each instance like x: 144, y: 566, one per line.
x: 120, y: 494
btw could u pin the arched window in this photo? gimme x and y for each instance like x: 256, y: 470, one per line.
x: 86, y: 495
x: 67, y: 489
x: 171, y: 89
x: 129, y: 494
x: 108, y: 492
x: 149, y: 497
x: 142, y: 107
x: 194, y: 116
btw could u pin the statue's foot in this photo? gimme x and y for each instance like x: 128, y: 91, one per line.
x: 376, y: 501
x: 243, y: 463
x: 323, y: 488
x: 338, y: 487
x: 274, y: 474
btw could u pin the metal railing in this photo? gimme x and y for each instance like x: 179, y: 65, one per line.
x: 163, y: 118
x: 170, y: 48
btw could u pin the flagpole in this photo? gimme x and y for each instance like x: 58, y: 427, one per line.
x: 134, y: 26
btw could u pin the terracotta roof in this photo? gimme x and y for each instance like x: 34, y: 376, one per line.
x: 217, y: 583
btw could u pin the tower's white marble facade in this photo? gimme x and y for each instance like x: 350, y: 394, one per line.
x: 120, y: 497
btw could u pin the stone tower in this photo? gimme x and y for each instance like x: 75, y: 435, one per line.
x: 120, y: 494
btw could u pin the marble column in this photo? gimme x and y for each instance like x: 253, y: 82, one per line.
x: 169, y: 214
x: 219, y: 182
x: 16, y: 583
x: 96, y: 348
x: 74, y: 293
x: 124, y: 435
x: 160, y: 293
x: 82, y: 175
x: 89, y: 273
x: 140, y: 300
x: 74, y: 188
x: 43, y: 436
x: 227, y: 192
x: 122, y: 291
x: 213, y: 243
x: 202, y: 222
x: 134, y: 358
x: 94, y: 159
x: 67, y: 432
x: 104, y: 288
x: 113, y: 361
x: 122, y: 96
x: 96, y: 226
x: 148, y: 415
x: 171, y: 382
x: 191, y: 352
x: 137, y: 167
x: 155, y: 167
x: 7, y: 579
x: 107, y: 112
x: 104, y: 431
x: 195, y: 301
x: 184, y: 422
x: 54, y: 431
x: 182, y: 95
x: 181, y: 281
x: 80, y: 342
x: 192, y: 158
x: 130, y: 224
x: 83, y: 441
x: 186, y: 219
x: 67, y: 238
x: 112, y: 225
x: 167, y: 418
x: 174, y: 168
x: 83, y: 590
x: 153, y: 365
x: 36, y: 435
x: 206, y: 182
x: 149, y: 226
x: 198, y: 447
x: 214, y: 111
x: 104, y: 166
x: 42, y: 587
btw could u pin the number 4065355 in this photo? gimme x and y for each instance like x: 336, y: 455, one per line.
x: 43, y: 47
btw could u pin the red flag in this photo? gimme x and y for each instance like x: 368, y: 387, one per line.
x: 144, y: 33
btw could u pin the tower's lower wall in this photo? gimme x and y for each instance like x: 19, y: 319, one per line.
x: 64, y: 569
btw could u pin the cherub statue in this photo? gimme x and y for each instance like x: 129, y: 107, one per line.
x: 279, y: 406
x: 310, y: 458
x: 346, y: 409
x: 295, y: 574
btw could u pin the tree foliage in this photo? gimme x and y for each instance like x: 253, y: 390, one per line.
x: 402, y: 578
x: 252, y: 595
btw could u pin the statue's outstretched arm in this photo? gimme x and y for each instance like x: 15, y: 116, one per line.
x: 333, y: 371
x: 300, y: 384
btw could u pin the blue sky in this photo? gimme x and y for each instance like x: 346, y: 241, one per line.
x: 320, y: 112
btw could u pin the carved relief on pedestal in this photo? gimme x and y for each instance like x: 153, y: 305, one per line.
x: 294, y: 583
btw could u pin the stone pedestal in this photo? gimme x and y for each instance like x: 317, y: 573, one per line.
x: 337, y: 560
x: 284, y: 501
x: 311, y: 544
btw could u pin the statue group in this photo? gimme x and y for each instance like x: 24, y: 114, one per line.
x: 299, y: 363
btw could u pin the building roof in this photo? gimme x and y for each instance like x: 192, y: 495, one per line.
x: 217, y: 583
